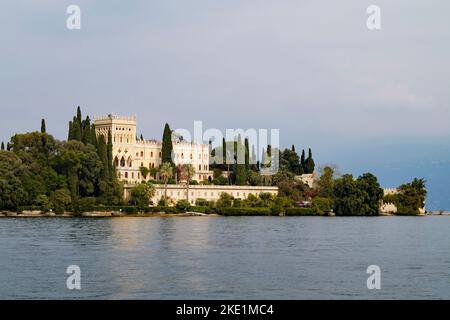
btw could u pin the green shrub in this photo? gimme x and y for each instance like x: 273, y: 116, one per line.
x: 87, y: 204
x: 170, y: 210
x: 29, y: 208
x: 299, y: 212
x: 43, y: 202
x: 244, y: 211
x: 321, y: 206
x: 201, y: 209
x: 225, y: 200
x: 183, y: 205
x: 201, y: 202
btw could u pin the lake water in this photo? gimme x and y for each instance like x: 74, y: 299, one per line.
x: 225, y: 257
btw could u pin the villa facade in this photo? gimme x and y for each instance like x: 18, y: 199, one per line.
x: 130, y: 153
x: 176, y: 192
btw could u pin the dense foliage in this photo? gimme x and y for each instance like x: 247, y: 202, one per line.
x: 40, y: 170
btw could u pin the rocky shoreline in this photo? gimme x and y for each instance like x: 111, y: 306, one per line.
x: 39, y: 214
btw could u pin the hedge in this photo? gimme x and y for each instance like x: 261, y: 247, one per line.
x: 201, y: 209
x: 300, y: 212
x: 244, y: 211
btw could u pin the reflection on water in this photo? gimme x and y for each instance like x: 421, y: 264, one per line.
x: 217, y: 257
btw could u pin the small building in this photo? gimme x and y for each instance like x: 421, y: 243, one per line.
x: 309, y: 179
x: 389, y: 208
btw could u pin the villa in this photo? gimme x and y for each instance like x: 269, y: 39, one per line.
x: 131, y: 153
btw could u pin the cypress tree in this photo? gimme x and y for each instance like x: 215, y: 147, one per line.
x: 247, y: 155
x: 310, y: 165
x: 93, y: 135
x: 76, y: 129
x: 142, y: 137
x: 167, y: 146
x: 43, y: 129
x: 109, y: 148
x: 8, y: 146
x: 70, y: 133
x: 86, y: 132
x: 224, y: 152
x: 293, y: 148
x: 302, y: 160
x: 240, y: 173
x: 79, y: 119
x: 254, y: 165
x: 103, y: 155
x: 3, y: 146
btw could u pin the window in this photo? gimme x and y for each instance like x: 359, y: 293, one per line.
x: 142, y: 154
x: 126, y: 175
x: 151, y: 154
x: 200, y: 167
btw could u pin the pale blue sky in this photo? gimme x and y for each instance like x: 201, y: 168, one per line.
x: 366, y: 100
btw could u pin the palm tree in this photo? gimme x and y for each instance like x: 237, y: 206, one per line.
x: 165, y: 172
x: 188, y: 174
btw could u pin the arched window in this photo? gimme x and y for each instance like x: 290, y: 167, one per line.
x: 122, y: 162
x: 151, y: 154
x: 126, y: 175
x: 200, y: 167
x: 142, y: 154
x: 116, y: 161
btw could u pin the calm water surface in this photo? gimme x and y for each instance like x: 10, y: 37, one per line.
x: 225, y: 257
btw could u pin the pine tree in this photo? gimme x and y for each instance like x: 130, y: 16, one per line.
x: 43, y: 129
x: 167, y: 146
